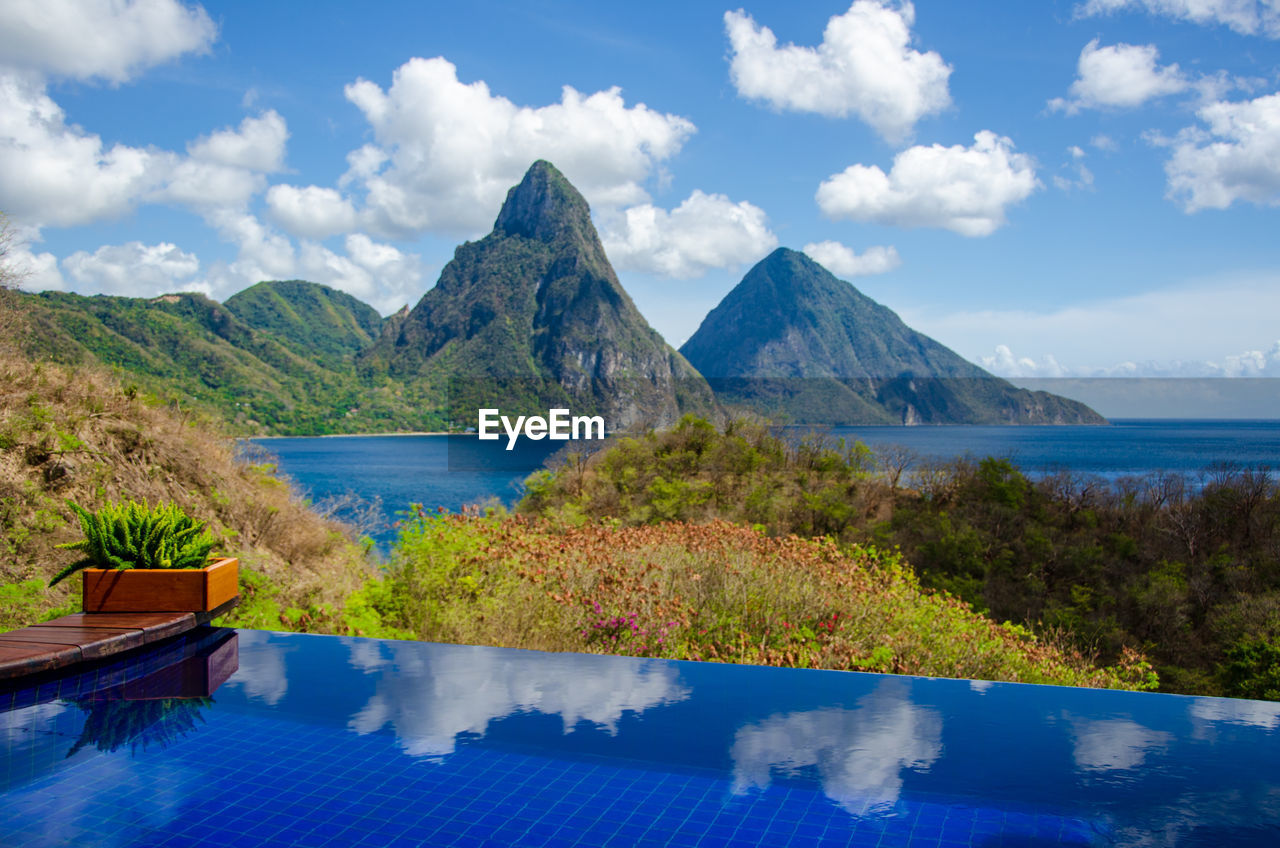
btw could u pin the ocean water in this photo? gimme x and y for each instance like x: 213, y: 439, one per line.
x: 392, y: 472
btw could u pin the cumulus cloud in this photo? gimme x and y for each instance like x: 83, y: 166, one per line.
x: 311, y: 212
x: 34, y: 271
x: 1119, y: 76
x: 705, y: 231
x: 257, y: 145
x: 379, y: 274
x: 963, y: 189
x: 448, y: 151
x: 133, y: 269
x: 865, y: 66
x: 1247, y: 17
x: 108, y: 39
x: 843, y: 262
x: 55, y: 173
x: 1236, y: 156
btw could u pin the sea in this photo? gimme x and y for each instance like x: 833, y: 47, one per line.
x: 374, y: 480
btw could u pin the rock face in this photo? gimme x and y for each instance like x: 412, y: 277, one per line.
x: 533, y: 316
x: 792, y: 341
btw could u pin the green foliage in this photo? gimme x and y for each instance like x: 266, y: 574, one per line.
x: 1252, y: 670
x: 137, y: 535
x: 709, y: 592
x: 25, y: 602
x: 1179, y: 570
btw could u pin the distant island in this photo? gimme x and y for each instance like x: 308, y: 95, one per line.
x: 530, y: 317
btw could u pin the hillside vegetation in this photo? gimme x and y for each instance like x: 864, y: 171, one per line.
x: 711, y: 592
x: 81, y: 435
x: 1185, y: 571
x: 278, y: 358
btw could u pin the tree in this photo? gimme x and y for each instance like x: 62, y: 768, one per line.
x: 11, y: 276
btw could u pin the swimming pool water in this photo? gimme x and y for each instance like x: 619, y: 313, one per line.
x: 328, y: 741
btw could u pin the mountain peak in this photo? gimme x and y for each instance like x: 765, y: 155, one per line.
x: 544, y: 206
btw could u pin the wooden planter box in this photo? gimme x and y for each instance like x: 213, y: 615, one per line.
x: 161, y: 590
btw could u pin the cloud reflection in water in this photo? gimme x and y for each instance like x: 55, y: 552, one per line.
x: 429, y: 702
x: 860, y: 754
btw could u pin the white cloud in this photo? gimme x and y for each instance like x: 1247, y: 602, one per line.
x: 206, y: 185
x: 378, y: 274
x: 35, y: 271
x: 1077, y: 173
x: 843, y: 262
x: 111, y: 39
x: 55, y: 174
x: 447, y: 152
x: 258, y: 144
x: 1119, y: 76
x: 263, y: 253
x: 1236, y: 158
x: 963, y: 189
x: 312, y: 212
x: 864, y: 66
x: 133, y: 269
x: 705, y: 231
x: 1005, y: 364
x: 1247, y: 17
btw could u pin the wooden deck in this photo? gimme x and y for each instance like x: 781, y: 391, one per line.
x: 90, y: 636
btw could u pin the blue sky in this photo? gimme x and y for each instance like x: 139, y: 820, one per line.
x: 1050, y: 188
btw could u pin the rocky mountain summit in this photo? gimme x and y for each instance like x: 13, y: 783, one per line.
x: 533, y: 315
x: 793, y: 342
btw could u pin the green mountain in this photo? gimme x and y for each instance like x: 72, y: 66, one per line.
x: 248, y: 360
x: 793, y: 342
x: 532, y: 316
x: 316, y: 322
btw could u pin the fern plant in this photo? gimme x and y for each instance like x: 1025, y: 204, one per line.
x: 137, y: 535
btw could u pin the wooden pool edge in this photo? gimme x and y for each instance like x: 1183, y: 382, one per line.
x: 87, y: 636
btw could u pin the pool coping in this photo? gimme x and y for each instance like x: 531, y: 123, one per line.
x: 86, y: 636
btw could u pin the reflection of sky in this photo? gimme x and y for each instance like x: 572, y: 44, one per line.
x: 428, y: 702
x: 262, y: 669
x: 1263, y: 714
x: 1114, y: 744
x: 860, y: 753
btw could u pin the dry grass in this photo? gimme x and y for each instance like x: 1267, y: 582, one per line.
x: 82, y: 435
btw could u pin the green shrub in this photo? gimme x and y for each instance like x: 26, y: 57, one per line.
x: 137, y: 535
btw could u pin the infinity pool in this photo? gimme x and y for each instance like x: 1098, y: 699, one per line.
x: 327, y: 741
